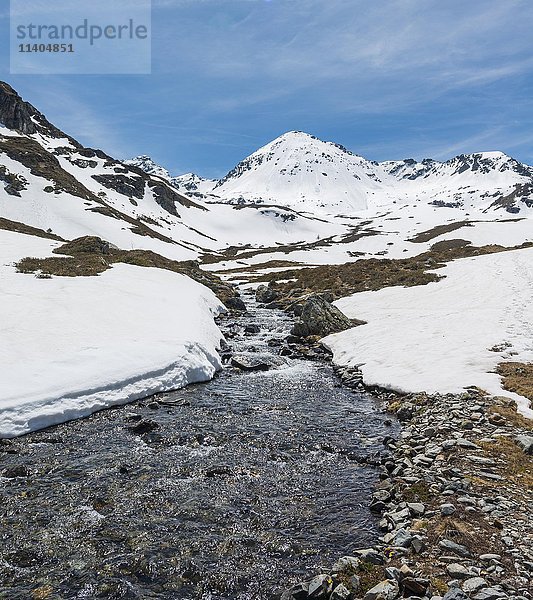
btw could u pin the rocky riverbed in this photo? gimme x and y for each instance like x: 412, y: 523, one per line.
x: 455, y: 501
x: 237, y: 488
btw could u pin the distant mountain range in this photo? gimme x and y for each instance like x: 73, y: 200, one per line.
x: 300, y: 171
x: 297, y: 198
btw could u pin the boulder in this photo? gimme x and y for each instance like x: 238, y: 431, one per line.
x: 455, y: 593
x: 341, y: 592
x: 320, y: 318
x: 265, y: 294
x: 252, y: 328
x: 456, y: 548
x: 474, y: 584
x: 235, y: 303
x: 320, y: 586
x: 346, y: 563
x: 458, y: 571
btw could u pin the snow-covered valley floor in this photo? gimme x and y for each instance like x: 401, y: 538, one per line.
x: 447, y: 335
x: 73, y: 345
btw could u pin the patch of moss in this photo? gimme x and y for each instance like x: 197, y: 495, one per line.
x: 418, y: 492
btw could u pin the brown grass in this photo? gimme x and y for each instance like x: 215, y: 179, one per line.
x: 512, y: 417
x: 374, y: 274
x: 518, y: 378
x: 426, y: 236
x: 90, y: 256
x: 23, y: 228
x: 515, y: 465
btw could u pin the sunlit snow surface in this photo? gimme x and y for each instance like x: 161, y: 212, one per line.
x: 438, y: 337
x: 71, y: 346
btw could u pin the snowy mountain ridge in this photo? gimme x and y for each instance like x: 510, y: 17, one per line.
x: 300, y: 171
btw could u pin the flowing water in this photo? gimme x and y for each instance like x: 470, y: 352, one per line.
x: 234, y: 488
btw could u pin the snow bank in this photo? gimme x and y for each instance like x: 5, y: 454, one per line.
x: 71, y: 346
x: 437, y: 337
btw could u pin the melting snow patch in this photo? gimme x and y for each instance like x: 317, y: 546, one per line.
x: 441, y: 337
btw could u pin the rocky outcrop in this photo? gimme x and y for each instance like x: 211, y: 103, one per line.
x: 15, y: 113
x: 320, y: 318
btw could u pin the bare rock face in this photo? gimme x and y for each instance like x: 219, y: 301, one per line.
x: 321, y: 318
x: 17, y: 114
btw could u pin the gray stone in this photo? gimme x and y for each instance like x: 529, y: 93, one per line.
x: 393, y: 573
x: 247, y: 363
x: 418, y: 544
x: 447, y: 509
x: 489, y: 593
x: 384, y: 590
x: 346, y: 563
x: 526, y: 443
x: 474, y: 584
x: 265, y: 294
x: 489, y: 557
x: 402, y: 538
x: 406, y: 411
x: 341, y: 592
x: 320, y: 586
x: 296, y: 592
x: 464, y: 443
x: 319, y: 317
x: 369, y: 555
x: 414, y: 586
x: 455, y: 593
x: 456, y: 548
x: 355, y: 583
x: 458, y: 571
x: 416, y: 508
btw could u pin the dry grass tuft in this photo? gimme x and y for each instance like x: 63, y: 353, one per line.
x: 513, y: 463
x: 90, y: 256
x: 518, y: 378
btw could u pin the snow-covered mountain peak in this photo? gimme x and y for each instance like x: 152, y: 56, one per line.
x: 301, y: 171
x: 300, y: 141
x: 149, y: 166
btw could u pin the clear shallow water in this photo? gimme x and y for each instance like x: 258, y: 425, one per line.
x: 242, y: 486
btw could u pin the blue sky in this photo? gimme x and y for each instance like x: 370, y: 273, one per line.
x: 389, y: 79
